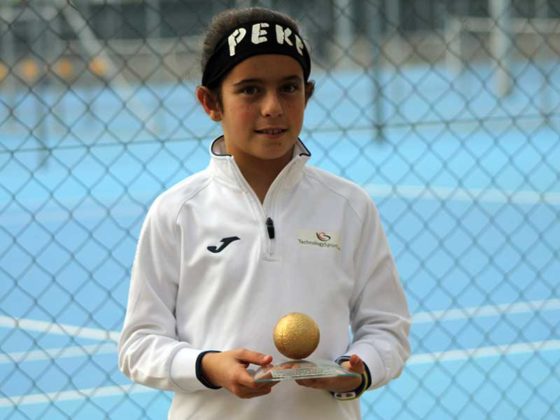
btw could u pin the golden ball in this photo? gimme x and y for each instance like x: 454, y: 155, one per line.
x: 296, y: 335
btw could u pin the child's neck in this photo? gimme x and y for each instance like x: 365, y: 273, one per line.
x: 260, y: 174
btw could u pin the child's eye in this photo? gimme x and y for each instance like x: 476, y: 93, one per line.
x: 249, y: 90
x: 290, y: 88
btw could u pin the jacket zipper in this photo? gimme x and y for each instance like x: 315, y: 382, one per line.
x: 270, y: 228
x: 270, y: 232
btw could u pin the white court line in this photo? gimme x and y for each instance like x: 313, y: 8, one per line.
x: 487, y: 195
x: 487, y: 311
x: 59, y: 329
x: 59, y: 353
x: 426, y: 358
x: 479, y: 352
x: 418, y: 318
x: 81, y: 394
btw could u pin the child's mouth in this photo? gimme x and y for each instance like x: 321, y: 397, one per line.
x: 272, y: 131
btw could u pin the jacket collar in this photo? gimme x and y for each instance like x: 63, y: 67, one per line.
x: 224, y: 167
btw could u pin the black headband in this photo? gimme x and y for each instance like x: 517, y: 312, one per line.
x: 253, y: 39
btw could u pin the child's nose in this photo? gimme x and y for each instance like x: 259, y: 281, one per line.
x: 272, y: 106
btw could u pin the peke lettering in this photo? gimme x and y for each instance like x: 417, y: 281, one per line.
x: 235, y: 38
x: 283, y: 35
x: 299, y: 45
x: 258, y: 33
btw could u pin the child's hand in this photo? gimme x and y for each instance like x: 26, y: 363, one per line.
x: 339, y: 383
x: 228, y: 369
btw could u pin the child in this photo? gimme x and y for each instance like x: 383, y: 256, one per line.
x: 228, y: 251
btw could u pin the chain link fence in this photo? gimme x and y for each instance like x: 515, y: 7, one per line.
x: 447, y: 112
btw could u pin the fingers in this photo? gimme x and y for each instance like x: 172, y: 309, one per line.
x: 322, y: 383
x: 252, y: 391
x: 244, y: 385
x: 355, y: 364
x: 314, y: 383
x: 229, y: 370
x: 249, y: 356
x: 339, y: 383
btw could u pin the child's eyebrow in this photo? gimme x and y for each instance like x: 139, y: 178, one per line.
x: 291, y: 78
x: 247, y: 81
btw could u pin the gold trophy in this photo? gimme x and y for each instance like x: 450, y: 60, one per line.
x: 296, y: 336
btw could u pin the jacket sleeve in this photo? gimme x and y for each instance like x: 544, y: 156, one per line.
x: 379, y: 313
x: 150, y: 352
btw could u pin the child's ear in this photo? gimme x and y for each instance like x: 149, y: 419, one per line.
x: 309, y: 89
x: 209, y: 102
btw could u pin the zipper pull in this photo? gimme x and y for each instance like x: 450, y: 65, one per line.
x: 270, y: 228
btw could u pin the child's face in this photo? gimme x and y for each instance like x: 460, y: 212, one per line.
x: 263, y: 99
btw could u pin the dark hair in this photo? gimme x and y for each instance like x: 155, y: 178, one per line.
x: 226, y: 21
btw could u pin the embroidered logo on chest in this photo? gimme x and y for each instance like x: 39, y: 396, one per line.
x: 319, y: 238
x: 224, y: 243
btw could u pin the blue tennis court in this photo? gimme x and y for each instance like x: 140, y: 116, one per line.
x: 468, y: 186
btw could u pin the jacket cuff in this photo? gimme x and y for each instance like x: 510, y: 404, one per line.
x: 363, y: 387
x: 199, y: 373
x: 380, y: 373
x: 182, y: 370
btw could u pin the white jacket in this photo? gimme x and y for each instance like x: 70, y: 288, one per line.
x: 329, y: 258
